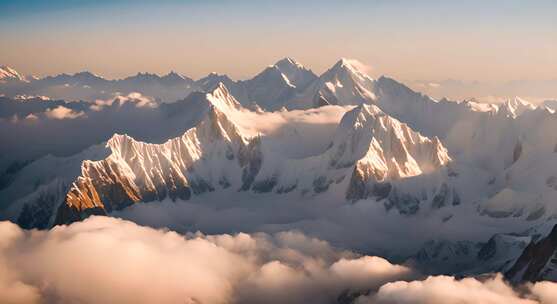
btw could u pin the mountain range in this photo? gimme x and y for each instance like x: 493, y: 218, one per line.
x: 452, y: 187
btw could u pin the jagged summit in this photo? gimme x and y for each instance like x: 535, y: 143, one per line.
x: 173, y: 78
x: 210, y: 81
x: 9, y: 74
x: 342, y: 84
x: 214, y: 77
x: 87, y: 77
x: 173, y: 74
x: 86, y: 74
x: 220, y: 97
x: 351, y: 65
x: 286, y: 62
x: 516, y: 106
x: 207, y: 155
x: 277, y: 84
x: 344, y: 63
x: 367, y: 134
x: 369, y: 146
x: 143, y: 77
x: 296, y: 74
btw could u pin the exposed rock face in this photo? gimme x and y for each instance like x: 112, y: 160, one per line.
x: 38, y: 210
x: 538, y: 261
x: 466, y: 257
x: 405, y: 203
x: 442, y: 256
x: 517, y: 152
x: 501, y: 251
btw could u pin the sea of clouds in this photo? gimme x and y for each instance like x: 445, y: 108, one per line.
x: 110, y: 260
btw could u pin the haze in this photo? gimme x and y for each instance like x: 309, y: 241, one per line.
x: 493, y: 41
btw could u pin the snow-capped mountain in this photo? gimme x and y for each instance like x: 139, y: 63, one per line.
x: 341, y: 141
x: 235, y: 88
x: 7, y: 74
x: 343, y: 84
x: 551, y: 104
x: 277, y: 84
x: 296, y: 74
x: 270, y: 89
x: 90, y: 87
x: 84, y: 78
x: 369, y: 147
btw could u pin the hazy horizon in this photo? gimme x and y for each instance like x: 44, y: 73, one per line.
x: 497, y: 42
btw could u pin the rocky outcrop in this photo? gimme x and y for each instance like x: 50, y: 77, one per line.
x: 538, y: 261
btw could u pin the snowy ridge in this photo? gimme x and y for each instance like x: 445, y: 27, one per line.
x: 9, y: 74
x: 342, y: 84
x: 295, y: 73
x: 393, y: 149
x: 216, y: 155
x: 137, y: 171
x: 221, y: 98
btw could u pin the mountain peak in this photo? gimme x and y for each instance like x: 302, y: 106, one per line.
x: 516, y: 106
x: 8, y: 73
x: 173, y: 74
x: 288, y: 62
x: 173, y: 78
x: 213, y: 78
x: 351, y: 65
x: 295, y: 73
x: 220, y: 97
x: 86, y: 75
x: 381, y: 147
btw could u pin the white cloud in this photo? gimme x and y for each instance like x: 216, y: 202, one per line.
x: 109, y: 260
x: 62, y: 112
x: 546, y: 292
x: 368, y: 271
x: 137, y: 99
x: 448, y: 290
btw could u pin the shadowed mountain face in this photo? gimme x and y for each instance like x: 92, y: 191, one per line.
x: 538, y: 261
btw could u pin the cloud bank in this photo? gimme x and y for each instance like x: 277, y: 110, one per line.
x: 34, y: 128
x: 62, y: 112
x: 108, y: 260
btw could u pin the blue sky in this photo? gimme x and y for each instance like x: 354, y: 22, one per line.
x: 471, y: 40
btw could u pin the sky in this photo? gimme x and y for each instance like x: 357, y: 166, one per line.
x: 476, y: 40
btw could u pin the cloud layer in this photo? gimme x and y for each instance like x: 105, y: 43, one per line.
x: 34, y: 128
x: 108, y: 260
